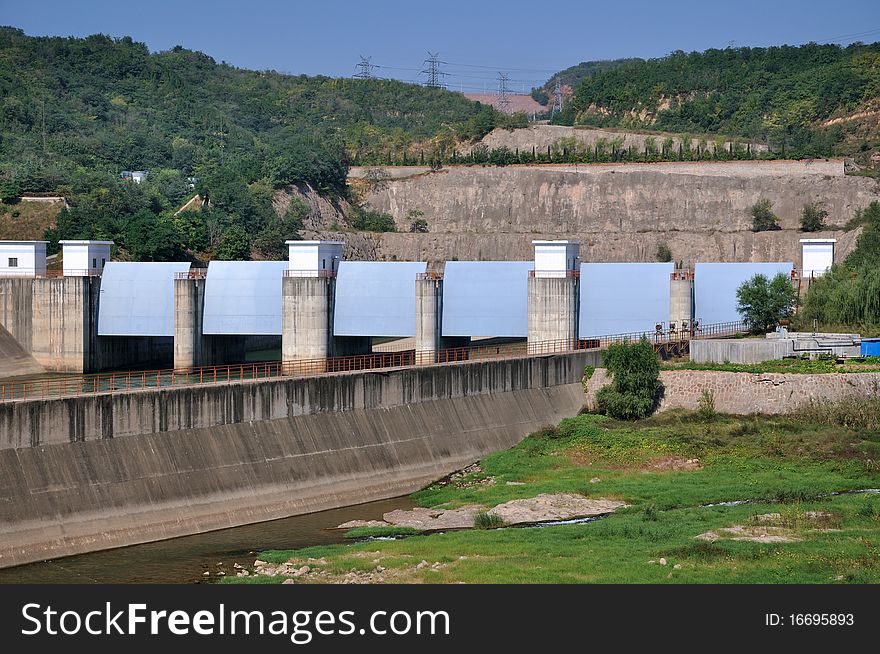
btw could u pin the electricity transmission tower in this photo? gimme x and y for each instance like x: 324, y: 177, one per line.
x: 432, y: 70
x: 365, y: 69
x: 557, y: 99
x: 503, y: 93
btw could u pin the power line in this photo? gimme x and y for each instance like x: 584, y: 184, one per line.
x: 365, y: 68
x: 515, y: 70
x: 847, y: 36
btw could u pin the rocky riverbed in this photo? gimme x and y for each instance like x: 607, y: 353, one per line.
x: 542, y: 508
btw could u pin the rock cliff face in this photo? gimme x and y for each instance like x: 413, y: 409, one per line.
x: 326, y: 220
x: 618, y: 212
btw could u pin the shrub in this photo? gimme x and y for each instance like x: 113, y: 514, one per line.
x: 664, y: 254
x: 813, y: 217
x: 635, y: 390
x: 706, y: 406
x: 762, y: 303
x: 763, y: 218
x: 372, y: 221
x: 484, y: 520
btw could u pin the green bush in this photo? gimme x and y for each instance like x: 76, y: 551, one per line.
x: 813, y: 217
x: 372, y: 221
x: 635, y: 390
x: 763, y: 218
x: 706, y: 406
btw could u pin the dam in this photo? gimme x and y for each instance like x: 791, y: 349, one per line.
x: 132, y: 456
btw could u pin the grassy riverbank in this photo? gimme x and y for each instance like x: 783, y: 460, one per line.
x: 666, y: 468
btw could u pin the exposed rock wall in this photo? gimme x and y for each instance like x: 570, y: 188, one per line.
x: 618, y: 212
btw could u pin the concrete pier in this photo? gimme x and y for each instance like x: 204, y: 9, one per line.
x: 681, y: 299
x: 307, y: 317
x: 190, y: 349
x: 429, y: 315
x: 553, y: 309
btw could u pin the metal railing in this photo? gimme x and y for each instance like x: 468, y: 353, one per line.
x: 433, y: 276
x: 555, y: 274
x: 32, y: 273
x: 192, y: 273
x: 125, y: 382
x: 309, y: 273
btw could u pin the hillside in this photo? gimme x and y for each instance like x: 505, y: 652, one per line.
x: 78, y: 111
x: 571, y: 77
x: 787, y: 96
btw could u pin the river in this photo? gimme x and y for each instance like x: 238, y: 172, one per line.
x: 186, y: 560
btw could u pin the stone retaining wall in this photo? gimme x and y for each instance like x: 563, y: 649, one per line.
x: 746, y: 393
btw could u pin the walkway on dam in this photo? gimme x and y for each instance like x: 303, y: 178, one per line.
x: 668, y: 342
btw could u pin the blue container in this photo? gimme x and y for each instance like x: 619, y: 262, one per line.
x: 871, y: 347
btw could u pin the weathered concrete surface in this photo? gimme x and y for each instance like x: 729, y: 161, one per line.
x: 306, y: 317
x: 14, y: 359
x: 773, y: 348
x: 553, y: 306
x: 618, y: 212
x: 91, y: 473
x: 681, y: 302
x: 745, y: 350
x: 744, y: 393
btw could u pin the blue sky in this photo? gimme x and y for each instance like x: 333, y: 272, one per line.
x: 527, y: 39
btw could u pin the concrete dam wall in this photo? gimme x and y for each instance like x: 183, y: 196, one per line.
x: 89, y: 473
x: 619, y: 212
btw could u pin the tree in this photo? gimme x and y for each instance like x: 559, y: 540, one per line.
x: 664, y: 254
x: 636, y: 388
x: 418, y: 224
x: 9, y: 191
x: 763, y: 218
x: 762, y: 303
x: 235, y: 245
x: 813, y: 217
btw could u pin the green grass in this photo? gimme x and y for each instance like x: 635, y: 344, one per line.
x: 796, y: 366
x: 780, y: 464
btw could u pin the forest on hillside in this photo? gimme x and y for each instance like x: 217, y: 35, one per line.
x: 574, y: 75
x: 75, y: 112
x: 780, y: 95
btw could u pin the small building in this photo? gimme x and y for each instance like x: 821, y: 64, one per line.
x: 22, y: 258
x: 136, y: 176
x: 817, y: 256
x: 556, y: 258
x: 313, y: 258
x: 85, y: 258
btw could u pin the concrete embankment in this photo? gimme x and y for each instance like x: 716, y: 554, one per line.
x: 89, y: 473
